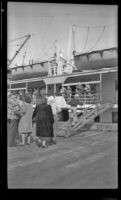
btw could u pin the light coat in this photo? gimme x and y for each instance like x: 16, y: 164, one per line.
x: 25, y: 123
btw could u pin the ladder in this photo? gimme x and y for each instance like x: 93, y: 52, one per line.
x: 90, y: 115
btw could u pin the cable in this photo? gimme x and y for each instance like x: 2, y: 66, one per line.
x: 48, y: 49
x: 86, y: 39
x: 45, y: 51
x: 24, y: 56
x: 14, y: 45
x: 48, y: 44
x: 18, y: 38
x: 44, y: 34
x: 98, y: 39
x: 95, y: 26
x: 57, y: 33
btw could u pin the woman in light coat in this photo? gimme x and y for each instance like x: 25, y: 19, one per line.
x: 25, y: 123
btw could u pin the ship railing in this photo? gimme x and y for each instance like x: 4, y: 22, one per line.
x: 87, y: 98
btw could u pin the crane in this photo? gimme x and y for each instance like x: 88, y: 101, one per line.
x: 16, y: 53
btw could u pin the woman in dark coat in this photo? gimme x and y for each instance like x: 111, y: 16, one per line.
x: 43, y: 117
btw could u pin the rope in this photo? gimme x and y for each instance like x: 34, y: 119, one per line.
x: 86, y: 39
x: 96, y: 26
x: 98, y: 39
x: 48, y: 49
x: 24, y: 56
x: 58, y: 34
x: 18, y: 38
x: 44, y: 49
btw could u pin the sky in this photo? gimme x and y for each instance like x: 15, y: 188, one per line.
x: 95, y: 28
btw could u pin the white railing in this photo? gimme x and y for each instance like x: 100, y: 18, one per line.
x: 88, y: 115
x: 91, y: 98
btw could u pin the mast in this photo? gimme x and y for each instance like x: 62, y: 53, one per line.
x: 69, y: 42
x: 16, y: 53
x: 56, y: 57
x: 56, y: 50
x: 73, y: 39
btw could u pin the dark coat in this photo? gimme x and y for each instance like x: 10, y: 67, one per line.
x: 44, y: 119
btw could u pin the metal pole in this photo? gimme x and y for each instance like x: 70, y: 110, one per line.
x: 46, y: 90
x: 69, y: 41
x: 73, y: 38
x: 26, y: 86
x: 100, y: 93
x: 54, y: 90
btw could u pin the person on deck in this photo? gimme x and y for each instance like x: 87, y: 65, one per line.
x: 63, y: 91
x: 43, y: 117
x: 68, y: 94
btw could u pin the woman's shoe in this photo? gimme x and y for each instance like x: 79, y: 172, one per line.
x: 39, y: 143
x: 44, y: 145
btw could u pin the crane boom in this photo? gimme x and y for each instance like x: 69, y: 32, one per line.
x: 16, y: 53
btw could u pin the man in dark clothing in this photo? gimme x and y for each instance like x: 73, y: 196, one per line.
x: 43, y: 117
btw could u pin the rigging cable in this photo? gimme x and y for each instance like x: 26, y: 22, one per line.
x: 58, y: 34
x: 44, y: 35
x: 18, y: 38
x: 86, y: 39
x: 25, y: 52
x: 96, y: 26
x: 98, y: 39
x: 48, y: 49
x: 44, y: 49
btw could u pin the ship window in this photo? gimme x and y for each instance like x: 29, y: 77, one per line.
x: 114, y: 117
